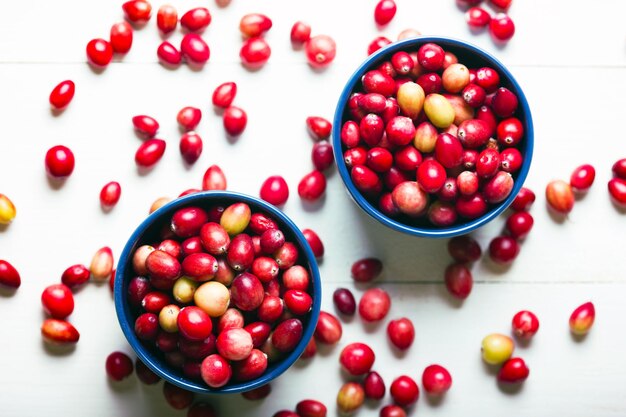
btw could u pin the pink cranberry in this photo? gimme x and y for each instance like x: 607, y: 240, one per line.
x: 320, y: 51
x: 287, y: 335
x: 513, y: 371
x: 286, y: 256
x: 459, y: 281
x: 59, y: 161
x: 502, y: 27
x: 168, y: 54
x: 436, y: 380
x: 374, y: 304
x: 275, y: 190
x: 582, y: 178
x: 503, y: 249
x: 357, y: 358
x: 401, y: 333
x: 477, y: 17
x: 525, y: 324
x: 328, y: 329
x: 251, y: 367
x: 498, y: 188
x: 385, y: 11
x: 300, y: 32
x: 215, y: 371
x: 234, y: 344
x: 344, y: 301
x: 404, y: 391
x: 235, y: 120
x: 312, y: 186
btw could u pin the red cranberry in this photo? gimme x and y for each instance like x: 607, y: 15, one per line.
x: 256, y: 394
x: 488, y: 163
x: 119, y: 366
x: 442, y: 213
x: 150, y: 152
x: 287, y: 335
x: 137, y: 11
x: 407, y: 159
x: 385, y: 11
x: 196, y: 19
x: 251, y: 367
x: 377, y: 43
x: 197, y: 349
x: 525, y: 324
x: 235, y: 120
x: 328, y: 329
x: 224, y: 94
x: 379, y: 159
x: 315, y: 243
x: 513, y: 371
x: 246, y: 291
x: 286, y: 256
x: 449, y: 191
x: 155, y: 301
x: 617, y: 190
x: 76, y: 275
x: 401, y: 333
x: 431, y: 56
x: 371, y: 129
x: 147, y: 326
x: 322, y: 155
x: 259, y: 332
x: 62, y: 94
x: 436, y: 380
x: 312, y: 186
x: 374, y: 304
x: 275, y: 190
x: 392, y: 411
x: 195, y: 49
x: 300, y: 32
x: 402, y: 62
x: 57, y: 301
x: 311, y: 408
x: 504, y: 102
x: 320, y: 51
x: 260, y: 223
x: 503, y: 249
x: 167, y: 18
x: 99, y: 52
x: 357, y: 358
x: 298, y: 302
x: 510, y: 131
x: 511, y: 160
x: 374, y: 386
x: 355, y: 156
x: 471, y: 207
x: 459, y: 281
x: 477, y: 17
x: 344, y: 301
x: 272, y: 240
x: 431, y: 175
x: 59, y: 161
x: 377, y: 82
x: 190, y: 147
x: 582, y: 178
x: 366, y: 270
x: 167, y: 342
x: 216, y: 371
x: 350, y: 135
x: 474, y: 95
x: 498, y: 188
x: 366, y: 180
x: 318, y: 127
x: 524, y: 200
x: 448, y: 151
x: 464, y: 249
x: 168, y: 54
x: 144, y: 373
x: 255, y: 52
x: 430, y: 82
x: 502, y: 27
x: 194, y: 324
x: 519, y: 224
x: 404, y: 391
x: 488, y: 79
x: 189, y: 117
x: 619, y: 169
x: 474, y: 133
x: 121, y: 36
x: 270, y: 309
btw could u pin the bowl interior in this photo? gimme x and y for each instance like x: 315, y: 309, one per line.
x: 472, y: 57
x: 148, y: 233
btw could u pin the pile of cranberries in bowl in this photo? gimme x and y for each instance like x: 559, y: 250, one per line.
x: 218, y: 292
x: 436, y: 136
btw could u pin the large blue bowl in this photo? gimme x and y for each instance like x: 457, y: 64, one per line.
x: 148, y: 232
x: 471, y: 56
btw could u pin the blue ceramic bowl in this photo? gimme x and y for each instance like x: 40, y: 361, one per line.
x: 472, y: 57
x: 148, y: 232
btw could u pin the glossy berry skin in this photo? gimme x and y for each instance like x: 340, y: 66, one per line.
x: 619, y: 169
x: 436, y: 380
x: 464, y: 249
x: 121, y: 37
x: 477, y: 17
x: 62, y: 94
x: 617, y: 190
x: 224, y: 94
x: 119, y: 366
x: 502, y: 27
x: 59, y: 161
x: 401, y: 333
x: 110, y: 194
x: 344, y: 301
x: 374, y: 305
x: 167, y: 18
x: 459, y: 280
x: 582, y: 178
x: 57, y: 301
x: 320, y: 51
x: 513, y: 371
x: 312, y: 186
x: 194, y: 324
x: 315, y: 243
x: 255, y: 52
x: 519, y: 224
x: 190, y: 146
x: 503, y: 250
x: 275, y: 190
x: 99, y: 52
x: 404, y: 391
x: 194, y: 49
x: 392, y: 410
x: 75, y: 276
x: 146, y: 125
x: 150, y: 152
x: 525, y: 324
x: 524, y: 200
x: 318, y: 127
x: 137, y: 11
x: 168, y: 54
x: 560, y: 196
x: 235, y: 120
x: 385, y: 11
x: 582, y: 319
x: 196, y: 19
x: 497, y: 348
x: 300, y: 32
x: 357, y: 358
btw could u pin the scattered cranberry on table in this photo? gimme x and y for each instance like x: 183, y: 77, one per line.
x: 254, y: 24
x: 344, y: 301
x: 560, y: 196
x: 224, y: 94
x: 320, y: 51
x: 374, y: 305
x: 300, y: 33
x: 513, y: 371
x: 366, y: 269
x: 59, y: 161
x: 404, y: 391
x: 121, y: 37
x: 110, y: 194
x: 62, y: 94
x: 436, y: 380
x: 458, y: 280
x: 255, y: 52
x: 401, y: 333
x: 99, y: 52
x: 275, y: 190
x: 582, y: 319
x: 137, y: 11
x: 374, y: 386
x: 525, y: 324
x: 350, y: 397
x: 357, y: 358
x: 7, y: 210
x: 497, y: 348
x: 57, y: 301
x: 167, y: 18
x: 196, y: 19
x: 119, y: 366
x: 9, y: 277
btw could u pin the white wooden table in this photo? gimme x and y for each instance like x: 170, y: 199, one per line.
x: 570, y: 58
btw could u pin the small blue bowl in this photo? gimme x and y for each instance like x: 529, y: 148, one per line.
x: 472, y: 57
x: 148, y: 232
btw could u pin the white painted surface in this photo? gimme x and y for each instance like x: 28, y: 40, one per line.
x: 570, y: 58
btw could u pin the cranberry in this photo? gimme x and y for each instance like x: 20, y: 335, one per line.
x: 224, y: 94
x: 270, y: 309
x: 464, y: 249
x: 436, y: 380
x: 350, y: 135
x: 300, y: 32
x: 310, y: 350
x: 144, y: 373
x: 137, y: 290
x: 488, y: 163
x: 407, y: 159
x: 59, y: 161
x: 560, y: 196
x: 350, y: 397
x: 322, y: 155
x: 57, y: 301
x: 195, y: 49
x: 146, y: 125
x: 147, y: 326
x: 442, y: 213
x: 177, y: 397
x: 188, y: 221
x: 401, y: 333
x: 119, y: 366
x: 275, y: 190
x: 255, y: 52
x: 99, y: 52
x: 150, y: 152
x: 448, y: 151
x: 449, y: 191
x: 377, y: 43
x: 477, y: 17
x: 214, y: 179
x: 458, y: 280
x: 619, y: 169
x: 582, y: 318
x: 519, y: 224
x: 409, y: 198
x: 513, y: 371
x: 371, y: 129
x: 110, y: 194
x: 271, y: 240
x: 312, y: 186
x: 287, y: 335
x: 525, y: 324
x: 474, y: 133
x: 194, y: 324
x: 471, y: 207
x: 431, y: 175
x: 504, y: 102
x: 400, y: 131
x: 167, y: 18
x: 311, y: 408
x: 402, y: 62
x: 524, y: 200
x: 502, y: 27
x: 59, y: 332
x: 328, y: 329
x: 357, y: 358
x: 256, y: 394
x: 251, y: 367
x: 355, y: 156
x: 190, y: 147
x: 315, y: 243
x: 372, y: 102
x: 392, y: 411
x: 374, y: 304
x: 385, y: 11
x: 467, y: 183
x: 235, y: 120
x: 379, y: 159
x: 431, y: 82
x: 189, y: 117
x: 366, y: 270
x: 168, y: 54
x: 498, y: 188
x: 318, y: 127
x: 511, y: 160
x: 196, y: 19
x: 320, y: 51
x: 431, y: 56
x: 377, y: 82
x: 216, y: 371
x: 404, y: 391
x: 286, y: 256
x: 241, y: 254
x: 298, y: 302
x: 617, y: 190
x: 155, y: 301
x: 474, y: 95
x: 62, y: 94
x: 137, y: 11
x: 254, y: 24
x: 503, y: 249
x: 121, y: 37
x: 344, y: 301
x: 582, y: 178
x: 488, y: 79
x: 502, y: 4
x: 74, y: 276
x: 374, y: 386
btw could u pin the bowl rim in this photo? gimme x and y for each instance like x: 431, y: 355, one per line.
x: 203, y: 197
x: 356, y: 195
